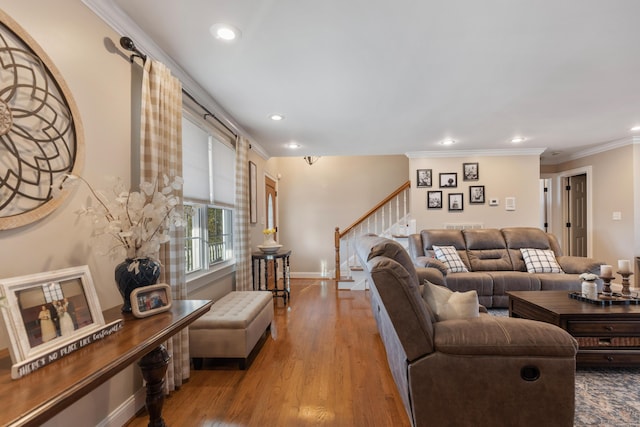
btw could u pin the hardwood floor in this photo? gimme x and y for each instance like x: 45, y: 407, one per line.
x: 324, y: 365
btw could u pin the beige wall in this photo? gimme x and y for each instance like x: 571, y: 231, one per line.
x: 502, y: 176
x: 333, y: 192
x: 100, y: 81
x: 614, y: 189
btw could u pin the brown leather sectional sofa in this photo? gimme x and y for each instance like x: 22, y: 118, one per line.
x: 481, y: 371
x: 495, y: 263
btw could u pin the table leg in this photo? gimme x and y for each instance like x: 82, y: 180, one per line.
x: 154, y: 367
x: 275, y: 276
x: 253, y: 273
x: 266, y: 274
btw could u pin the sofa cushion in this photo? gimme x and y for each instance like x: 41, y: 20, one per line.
x: 540, y: 261
x: 490, y: 335
x: 481, y: 282
x: 447, y: 304
x: 517, y: 238
x: 404, y: 305
x: 487, y: 250
x: 449, y: 256
x: 445, y: 238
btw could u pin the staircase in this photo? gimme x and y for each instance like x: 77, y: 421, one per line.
x: 389, y: 218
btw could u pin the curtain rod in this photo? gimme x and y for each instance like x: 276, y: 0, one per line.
x: 129, y: 45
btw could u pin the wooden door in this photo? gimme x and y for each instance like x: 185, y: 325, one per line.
x: 577, y: 198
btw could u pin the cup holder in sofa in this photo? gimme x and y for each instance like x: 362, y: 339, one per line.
x: 530, y: 373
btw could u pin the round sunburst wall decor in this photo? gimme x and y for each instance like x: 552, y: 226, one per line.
x: 41, y: 137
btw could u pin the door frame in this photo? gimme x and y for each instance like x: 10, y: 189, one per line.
x: 561, y: 201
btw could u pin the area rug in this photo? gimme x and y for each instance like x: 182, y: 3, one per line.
x: 605, y: 397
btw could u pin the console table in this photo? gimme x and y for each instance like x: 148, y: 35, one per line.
x: 258, y: 257
x: 35, y: 398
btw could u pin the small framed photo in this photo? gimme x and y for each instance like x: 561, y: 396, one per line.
x: 434, y: 199
x: 456, y: 202
x: 49, y: 315
x: 253, y: 193
x: 470, y: 172
x: 448, y: 180
x: 149, y: 300
x: 476, y: 194
x: 423, y: 178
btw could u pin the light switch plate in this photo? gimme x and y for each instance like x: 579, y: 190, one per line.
x: 617, y: 216
x: 510, y: 203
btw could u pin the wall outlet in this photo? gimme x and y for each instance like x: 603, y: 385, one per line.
x: 617, y: 216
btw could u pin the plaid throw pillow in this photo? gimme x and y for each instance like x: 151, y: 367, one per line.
x: 449, y: 256
x: 540, y: 261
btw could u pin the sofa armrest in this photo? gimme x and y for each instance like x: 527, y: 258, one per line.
x: 579, y: 265
x: 431, y: 274
x: 430, y: 262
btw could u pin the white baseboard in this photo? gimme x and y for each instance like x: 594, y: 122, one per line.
x: 127, y: 411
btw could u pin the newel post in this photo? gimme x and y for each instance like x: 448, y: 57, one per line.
x: 336, y: 241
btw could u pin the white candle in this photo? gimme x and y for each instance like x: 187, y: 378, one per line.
x: 606, y: 271
x: 624, y: 266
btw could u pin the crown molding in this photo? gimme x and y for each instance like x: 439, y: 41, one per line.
x: 476, y: 153
x: 593, y: 150
x: 120, y: 22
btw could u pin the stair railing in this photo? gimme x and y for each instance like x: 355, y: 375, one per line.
x: 381, y: 219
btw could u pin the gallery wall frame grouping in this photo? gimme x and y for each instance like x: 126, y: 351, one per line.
x: 449, y: 180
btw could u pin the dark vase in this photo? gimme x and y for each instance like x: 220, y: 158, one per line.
x: 129, y: 279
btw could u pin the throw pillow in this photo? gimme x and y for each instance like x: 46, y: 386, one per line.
x: 540, y: 261
x: 447, y: 305
x: 449, y: 256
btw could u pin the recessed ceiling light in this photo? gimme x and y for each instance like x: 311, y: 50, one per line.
x: 293, y: 145
x: 635, y: 128
x: 225, y: 32
x: 276, y: 117
x: 517, y: 139
x: 448, y: 142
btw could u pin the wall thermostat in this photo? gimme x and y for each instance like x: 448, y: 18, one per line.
x: 493, y: 202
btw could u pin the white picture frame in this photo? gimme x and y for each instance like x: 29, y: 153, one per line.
x: 48, y: 315
x: 149, y: 300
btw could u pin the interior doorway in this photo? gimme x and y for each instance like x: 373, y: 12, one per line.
x: 577, y: 214
x: 271, y: 216
x: 271, y: 205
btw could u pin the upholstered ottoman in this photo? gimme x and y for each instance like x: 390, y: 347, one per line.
x: 232, y: 328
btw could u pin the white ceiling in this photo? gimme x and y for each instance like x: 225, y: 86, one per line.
x: 358, y: 77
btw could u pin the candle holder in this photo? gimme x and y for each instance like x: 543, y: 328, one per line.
x: 626, y: 291
x: 606, y: 289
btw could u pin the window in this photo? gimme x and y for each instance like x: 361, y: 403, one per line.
x: 208, y: 237
x: 209, y: 193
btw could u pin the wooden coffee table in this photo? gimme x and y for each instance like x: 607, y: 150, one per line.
x: 608, y: 336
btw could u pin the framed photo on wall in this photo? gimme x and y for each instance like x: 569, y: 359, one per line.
x: 470, y: 172
x: 434, y: 200
x: 476, y: 194
x: 456, y: 202
x: 423, y: 178
x: 448, y: 180
x: 253, y: 193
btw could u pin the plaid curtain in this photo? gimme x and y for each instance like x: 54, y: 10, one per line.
x: 160, y: 156
x: 241, y: 226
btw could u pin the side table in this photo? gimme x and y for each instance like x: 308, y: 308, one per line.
x: 258, y: 258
